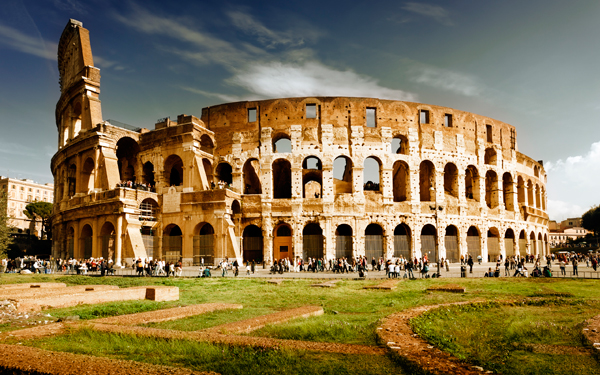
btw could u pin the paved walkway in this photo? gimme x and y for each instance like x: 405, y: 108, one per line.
x: 478, y: 271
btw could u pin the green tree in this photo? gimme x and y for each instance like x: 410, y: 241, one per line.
x: 40, y: 211
x: 591, y: 220
x: 5, y: 229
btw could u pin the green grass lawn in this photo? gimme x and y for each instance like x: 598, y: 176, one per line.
x: 486, y: 335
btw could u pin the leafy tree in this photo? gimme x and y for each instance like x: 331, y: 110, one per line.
x: 5, y: 239
x: 591, y: 220
x: 40, y: 211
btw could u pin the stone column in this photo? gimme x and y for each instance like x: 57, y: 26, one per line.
x: 386, y: 185
x: 297, y: 186
x: 327, y: 187
x: 119, y: 238
x: 96, y: 248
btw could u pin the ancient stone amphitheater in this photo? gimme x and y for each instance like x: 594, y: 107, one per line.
x: 287, y: 178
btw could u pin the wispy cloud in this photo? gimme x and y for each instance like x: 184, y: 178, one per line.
x: 19, y: 41
x: 437, y: 13
x: 270, y: 38
x: 227, y: 98
x: 208, y: 48
x: 277, y: 79
x: 573, y: 183
x: 444, y: 79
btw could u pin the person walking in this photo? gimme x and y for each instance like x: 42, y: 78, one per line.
x: 470, y: 263
x: 575, y: 266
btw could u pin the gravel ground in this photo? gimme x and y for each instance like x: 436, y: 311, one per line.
x: 386, y: 285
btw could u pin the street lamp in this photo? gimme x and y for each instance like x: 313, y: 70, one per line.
x: 435, y: 213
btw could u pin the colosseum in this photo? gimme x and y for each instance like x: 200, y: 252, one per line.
x: 287, y: 178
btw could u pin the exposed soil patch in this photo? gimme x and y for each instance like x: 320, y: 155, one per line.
x: 386, y: 285
x: 275, y: 281
x: 591, y: 332
x: 26, y: 360
x: 326, y: 284
x: 451, y: 288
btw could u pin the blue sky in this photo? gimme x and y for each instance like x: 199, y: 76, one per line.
x: 532, y: 64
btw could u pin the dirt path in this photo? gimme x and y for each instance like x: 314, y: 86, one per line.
x: 28, y: 360
x: 252, y: 324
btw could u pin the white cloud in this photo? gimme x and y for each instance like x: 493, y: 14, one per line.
x: 438, y: 13
x: 21, y: 42
x: 227, y: 98
x: 445, y: 79
x: 573, y: 184
x: 277, y: 79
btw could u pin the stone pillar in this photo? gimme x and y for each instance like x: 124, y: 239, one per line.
x: 327, y: 186
x: 389, y: 245
x: 482, y: 201
x: 76, y: 239
x: 78, y: 177
x: 267, y: 241
x: 462, y: 195
x: 119, y: 241
x: 237, y: 184
x: 297, y: 186
x: 386, y: 185
x: 439, y: 187
x: 357, y: 181
x: 96, y: 248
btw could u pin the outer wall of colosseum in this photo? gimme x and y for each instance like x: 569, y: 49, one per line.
x: 296, y: 177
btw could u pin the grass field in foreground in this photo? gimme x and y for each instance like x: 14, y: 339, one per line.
x: 351, y: 316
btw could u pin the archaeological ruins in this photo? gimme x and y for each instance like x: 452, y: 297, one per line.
x: 287, y: 178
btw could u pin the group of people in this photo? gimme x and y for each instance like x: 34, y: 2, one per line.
x: 135, y: 185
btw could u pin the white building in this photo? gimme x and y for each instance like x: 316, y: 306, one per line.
x: 19, y: 194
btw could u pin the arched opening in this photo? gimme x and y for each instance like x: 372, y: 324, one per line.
x: 536, y: 171
x: 400, y: 182
x: 250, y: 172
x: 402, y: 241
x: 509, y: 243
x: 86, y: 242
x: 543, y: 195
x: 72, y: 179
x: 530, y: 201
x: 236, y: 209
x: 127, y: 152
x: 208, y: 170
x: 312, y: 177
x: 148, y: 210
x: 451, y: 242
x: 206, y: 144
x: 312, y: 241
x: 252, y: 244
x: 537, y: 196
x: 282, y: 179
x: 204, y: 238
x: 473, y: 242
x: 174, y: 170
x: 374, y: 247
x: 371, y: 174
x: 533, y: 245
x: 224, y: 173
x: 148, y: 175
x: 490, y: 156
x: 343, y: 241
x: 491, y: 189
x: 451, y: 180
x: 472, y: 183
x: 172, y: 243
x: 540, y: 245
x: 282, y: 144
x: 426, y: 181
x: 546, y: 250
x: 429, y: 242
x: 493, y: 244
x: 107, y: 233
x: 508, y: 188
x: 87, y: 176
x: 282, y: 242
x: 76, y: 119
x: 520, y: 190
x: 70, y: 243
x: 399, y: 145
x: 342, y: 175
x: 523, y: 243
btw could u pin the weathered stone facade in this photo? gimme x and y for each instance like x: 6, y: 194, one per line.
x: 296, y: 177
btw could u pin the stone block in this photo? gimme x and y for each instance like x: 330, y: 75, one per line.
x: 162, y: 293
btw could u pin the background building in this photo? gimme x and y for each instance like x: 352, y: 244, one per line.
x: 19, y: 194
x: 286, y: 178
